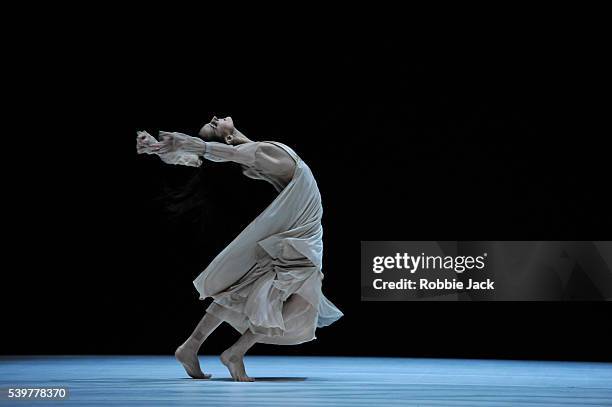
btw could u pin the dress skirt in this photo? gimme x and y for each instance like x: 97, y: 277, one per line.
x: 280, y: 299
x: 268, y: 279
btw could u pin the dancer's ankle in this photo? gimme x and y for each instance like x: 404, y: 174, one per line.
x: 234, y: 353
x: 192, y: 343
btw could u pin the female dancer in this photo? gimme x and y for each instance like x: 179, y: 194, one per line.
x: 267, y: 282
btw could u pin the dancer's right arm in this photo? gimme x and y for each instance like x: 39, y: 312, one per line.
x: 172, y: 152
x: 242, y: 154
x: 178, y: 143
x: 211, y: 150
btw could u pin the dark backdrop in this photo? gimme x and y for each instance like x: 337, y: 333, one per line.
x: 490, y: 141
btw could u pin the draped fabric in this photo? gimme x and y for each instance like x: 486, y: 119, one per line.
x: 269, y: 278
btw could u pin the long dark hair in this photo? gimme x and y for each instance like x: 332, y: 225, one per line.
x: 181, y: 199
x: 212, y: 203
x: 194, y: 198
x: 188, y: 195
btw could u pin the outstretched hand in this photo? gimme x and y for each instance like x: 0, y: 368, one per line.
x: 169, y: 142
x: 144, y: 143
x: 172, y: 148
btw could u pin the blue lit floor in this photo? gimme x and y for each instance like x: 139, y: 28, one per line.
x: 312, y: 381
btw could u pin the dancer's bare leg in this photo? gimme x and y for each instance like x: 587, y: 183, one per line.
x: 232, y: 358
x: 187, y: 353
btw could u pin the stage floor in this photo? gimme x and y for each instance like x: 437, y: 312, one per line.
x: 311, y: 381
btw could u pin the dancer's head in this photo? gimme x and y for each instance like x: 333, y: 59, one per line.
x: 222, y: 131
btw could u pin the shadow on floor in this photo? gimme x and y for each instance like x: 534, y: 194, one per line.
x: 263, y: 379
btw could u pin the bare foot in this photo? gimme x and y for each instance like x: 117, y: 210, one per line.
x: 189, y: 359
x: 235, y: 365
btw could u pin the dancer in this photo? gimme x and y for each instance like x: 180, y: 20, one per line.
x: 267, y: 282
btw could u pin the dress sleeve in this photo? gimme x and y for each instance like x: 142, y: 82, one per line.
x: 188, y: 158
x: 241, y: 154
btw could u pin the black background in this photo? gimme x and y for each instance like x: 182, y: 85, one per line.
x: 487, y: 138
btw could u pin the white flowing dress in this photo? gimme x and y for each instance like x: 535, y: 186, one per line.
x: 269, y: 278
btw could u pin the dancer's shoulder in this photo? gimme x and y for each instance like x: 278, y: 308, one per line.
x: 275, y: 158
x: 278, y: 149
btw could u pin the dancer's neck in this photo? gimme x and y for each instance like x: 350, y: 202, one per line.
x: 240, y: 138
